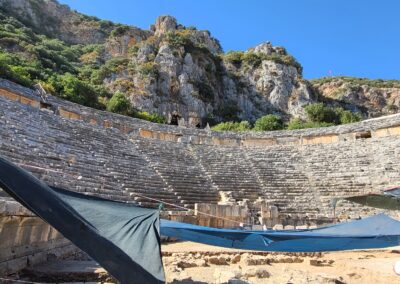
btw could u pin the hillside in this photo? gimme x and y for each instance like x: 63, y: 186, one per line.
x: 374, y: 97
x: 169, y: 73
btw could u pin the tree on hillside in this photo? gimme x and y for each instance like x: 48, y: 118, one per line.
x: 268, y: 122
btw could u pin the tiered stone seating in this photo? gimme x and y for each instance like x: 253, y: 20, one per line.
x: 78, y: 156
x: 230, y: 170
x: 120, y: 157
x: 180, y: 170
x: 348, y: 169
x: 284, y: 183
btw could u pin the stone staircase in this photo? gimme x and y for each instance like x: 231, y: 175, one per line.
x: 229, y: 170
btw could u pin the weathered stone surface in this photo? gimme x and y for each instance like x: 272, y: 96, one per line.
x: 374, y: 100
x: 225, y: 275
x: 218, y: 260
x: 317, y: 262
x: 165, y: 24
x: 255, y: 272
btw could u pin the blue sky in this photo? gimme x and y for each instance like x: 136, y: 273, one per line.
x: 341, y: 37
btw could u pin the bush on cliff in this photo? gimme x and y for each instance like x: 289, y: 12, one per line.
x: 180, y: 38
x: 232, y: 126
x: 71, y: 88
x: 13, y: 72
x: 234, y: 57
x: 346, y: 116
x: 154, y: 117
x: 319, y: 112
x: 301, y: 124
x: 268, y: 122
x: 119, y: 103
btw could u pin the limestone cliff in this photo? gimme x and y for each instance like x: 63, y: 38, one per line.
x: 178, y: 72
x: 372, y: 97
x: 182, y: 74
x: 58, y: 21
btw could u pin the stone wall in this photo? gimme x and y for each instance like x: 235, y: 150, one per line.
x: 25, y: 239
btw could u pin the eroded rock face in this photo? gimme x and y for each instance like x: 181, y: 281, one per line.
x: 177, y: 72
x: 190, y: 83
x: 165, y: 24
x: 373, y: 100
x: 56, y: 20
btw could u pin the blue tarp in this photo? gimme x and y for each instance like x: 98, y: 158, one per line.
x: 378, y: 231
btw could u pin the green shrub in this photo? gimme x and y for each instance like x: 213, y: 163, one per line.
x: 71, y: 88
x: 346, y: 116
x: 119, y: 30
x: 268, y: 122
x: 300, y: 124
x: 13, y: 72
x: 232, y: 126
x: 319, y: 112
x: 148, y: 69
x: 154, y: 117
x: 180, y: 38
x: 119, y: 103
x: 252, y: 59
x: 359, y: 81
x: 234, y: 57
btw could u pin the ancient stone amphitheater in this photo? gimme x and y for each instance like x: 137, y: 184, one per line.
x: 300, y: 173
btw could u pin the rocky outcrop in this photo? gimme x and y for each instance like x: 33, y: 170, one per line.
x: 55, y: 20
x: 181, y: 74
x: 164, y: 24
x: 372, y: 97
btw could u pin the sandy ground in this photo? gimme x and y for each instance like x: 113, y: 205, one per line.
x: 187, y: 262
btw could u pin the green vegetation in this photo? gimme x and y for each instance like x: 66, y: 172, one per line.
x: 300, y: 124
x: 254, y: 59
x: 318, y: 115
x: 359, y: 81
x: 119, y: 30
x: 148, y: 69
x: 321, y: 113
x: 71, y: 88
x: 77, y: 73
x: 72, y: 72
x: 119, y: 103
x: 234, y: 57
x: 232, y: 126
x: 180, y: 38
x: 268, y: 122
x: 149, y: 117
x: 27, y: 58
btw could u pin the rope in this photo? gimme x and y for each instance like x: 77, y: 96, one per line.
x: 145, y: 197
x: 19, y: 281
x: 188, y: 209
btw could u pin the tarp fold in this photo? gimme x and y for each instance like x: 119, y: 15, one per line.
x: 121, y: 237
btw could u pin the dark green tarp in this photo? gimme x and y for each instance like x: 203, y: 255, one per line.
x: 382, y: 201
x: 121, y: 237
